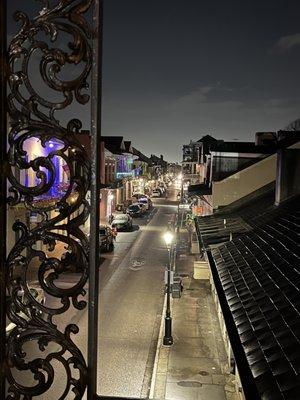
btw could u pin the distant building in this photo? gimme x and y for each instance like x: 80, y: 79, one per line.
x: 159, y: 165
x: 265, y: 138
x: 142, y: 164
x: 123, y: 153
x: 194, y: 159
x: 127, y: 171
x: 119, y: 171
x: 226, y: 158
x: 174, y: 168
x: 251, y: 255
x: 221, y: 162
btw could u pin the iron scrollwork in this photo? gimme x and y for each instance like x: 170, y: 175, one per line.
x: 60, y: 211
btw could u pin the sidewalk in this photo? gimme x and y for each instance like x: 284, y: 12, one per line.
x: 195, y: 366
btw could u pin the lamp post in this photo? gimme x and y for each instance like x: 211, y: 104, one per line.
x: 180, y: 199
x: 168, y: 339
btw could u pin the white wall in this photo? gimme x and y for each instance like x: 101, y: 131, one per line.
x: 244, y: 182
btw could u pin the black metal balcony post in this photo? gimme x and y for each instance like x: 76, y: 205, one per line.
x: 95, y: 201
x: 3, y: 138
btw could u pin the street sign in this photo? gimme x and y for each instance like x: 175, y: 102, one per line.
x: 171, y: 277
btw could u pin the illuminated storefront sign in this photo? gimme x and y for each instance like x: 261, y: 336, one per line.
x: 124, y: 174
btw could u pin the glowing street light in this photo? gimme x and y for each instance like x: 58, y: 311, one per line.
x: 168, y: 238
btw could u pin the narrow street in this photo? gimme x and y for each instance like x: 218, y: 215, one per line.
x: 130, y: 308
x: 131, y: 302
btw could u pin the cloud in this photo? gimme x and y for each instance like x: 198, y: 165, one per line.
x: 286, y: 43
x: 200, y: 95
x: 162, y: 125
x: 196, y: 96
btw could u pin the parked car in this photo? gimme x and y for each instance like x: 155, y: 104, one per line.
x: 147, y: 202
x: 122, y: 222
x: 134, y: 210
x: 144, y: 196
x: 142, y: 206
x: 137, y: 196
x: 157, y: 193
x: 107, y: 237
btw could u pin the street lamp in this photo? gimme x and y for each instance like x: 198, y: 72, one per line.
x: 168, y: 339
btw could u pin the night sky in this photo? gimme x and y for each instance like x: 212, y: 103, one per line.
x: 175, y: 70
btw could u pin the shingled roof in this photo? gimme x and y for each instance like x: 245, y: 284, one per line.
x: 242, y: 147
x: 142, y: 156
x: 258, y: 273
x: 128, y: 147
x: 234, y: 219
x: 115, y: 144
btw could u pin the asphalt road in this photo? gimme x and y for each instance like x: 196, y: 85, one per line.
x: 130, y: 307
x: 131, y: 302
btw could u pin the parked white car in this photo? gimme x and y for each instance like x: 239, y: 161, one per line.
x: 157, y: 193
x: 122, y: 222
x: 147, y: 202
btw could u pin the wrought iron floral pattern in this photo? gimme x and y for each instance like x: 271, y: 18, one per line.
x: 34, y: 116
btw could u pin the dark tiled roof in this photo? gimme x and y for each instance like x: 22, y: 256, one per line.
x: 235, y: 219
x: 214, y: 231
x: 158, y: 160
x: 115, y: 144
x: 242, y: 147
x: 142, y: 156
x: 260, y: 276
x: 207, y: 138
x: 128, y: 147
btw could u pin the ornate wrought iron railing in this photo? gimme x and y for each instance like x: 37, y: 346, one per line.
x: 39, y: 94
x: 3, y: 124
